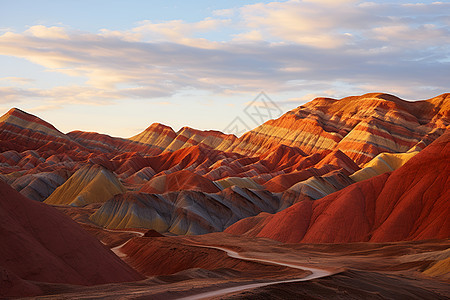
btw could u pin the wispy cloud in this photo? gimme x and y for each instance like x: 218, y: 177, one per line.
x: 17, y: 80
x: 308, y: 46
x: 42, y: 108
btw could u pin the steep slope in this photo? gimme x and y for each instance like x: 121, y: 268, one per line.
x: 307, y: 154
x: 320, y: 186
x: 22, y: 131
x: 410, y: 203
x: 382, y: 163
x: 165, y: 138
x: 105, y: 143
x: 184, y: 212
x: 197, y: 156
x: 282, y: 182
x: 360, y: 126
x: 41, y: 185
x: 90, y: 184
x: 41, y: 244
x: 177, y: 181
x: 238, y: 181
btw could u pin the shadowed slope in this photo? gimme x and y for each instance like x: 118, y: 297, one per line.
x: 184, y: 212
x: 39, y: 186
x: 41, y: 244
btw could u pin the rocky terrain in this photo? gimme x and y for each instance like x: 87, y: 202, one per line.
x: 353, y: 173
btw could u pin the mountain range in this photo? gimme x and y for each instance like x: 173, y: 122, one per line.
x: 369, y: 168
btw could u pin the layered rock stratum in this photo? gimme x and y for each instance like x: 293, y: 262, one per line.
x: 195, y: 182
x: 410, y: 203
x: 370, y: 168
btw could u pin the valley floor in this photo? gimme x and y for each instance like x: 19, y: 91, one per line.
x: 195, y: 266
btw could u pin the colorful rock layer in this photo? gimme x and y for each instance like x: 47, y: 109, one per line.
x: 194, y: 182
x: 411, y: 203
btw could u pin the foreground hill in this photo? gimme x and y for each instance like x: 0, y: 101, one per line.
x: 38, y: 243
x: 410, y: 203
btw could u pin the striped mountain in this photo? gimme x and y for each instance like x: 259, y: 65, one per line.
x: 410, y: 203
x: 308, y: 153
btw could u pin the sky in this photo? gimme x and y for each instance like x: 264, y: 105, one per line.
x: 116, y: 67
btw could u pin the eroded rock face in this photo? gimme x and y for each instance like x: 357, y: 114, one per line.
x: 184, y: 212
x: 90, y: 184
x: 411, y: 203
x: 359, y: 126
x: 193, y: 182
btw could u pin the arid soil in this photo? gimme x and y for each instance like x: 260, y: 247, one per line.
x: 177, y: 267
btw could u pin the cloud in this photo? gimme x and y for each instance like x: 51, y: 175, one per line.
x: 13, y: 94
x: 41, y: 31
x: 17, y: 80
x: 295, y: 46
x: 227, y: 12
x: 311, y: 23
x: 42, y: 108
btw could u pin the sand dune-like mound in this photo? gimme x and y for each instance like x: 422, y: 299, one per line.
x: 90, y: 184
x: 382, y: 163
x: 440, y: 269
x: 407, y: 204
x: 12, y: 285
x: 41, y: 244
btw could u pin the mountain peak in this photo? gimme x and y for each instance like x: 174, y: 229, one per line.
x: 158, y: 126
x: 382, y: 96
x: 25, y: 120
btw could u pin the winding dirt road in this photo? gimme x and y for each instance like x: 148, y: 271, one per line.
x: 315, y: 273
x: 116, y: 250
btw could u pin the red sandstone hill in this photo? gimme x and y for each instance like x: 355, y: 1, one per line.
x: 360, y: 126
x: 177, y: 181
x: 410, y: 203
x: 308, y: 153
x: 22, y: 131
x: 105, y: 143
x: 39, y: 243
x: 164, y: 138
